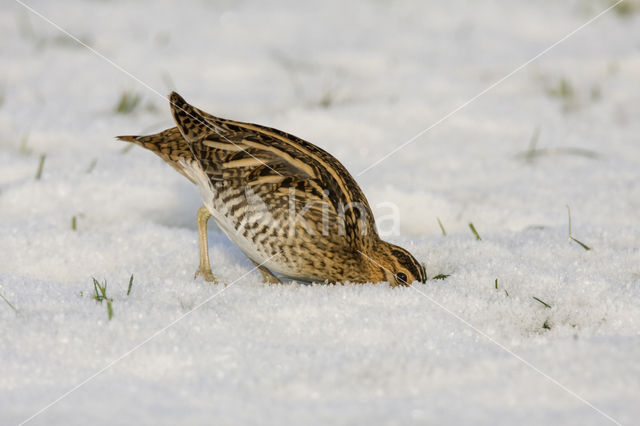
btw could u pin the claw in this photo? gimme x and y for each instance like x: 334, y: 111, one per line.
x: 267, y: 275
x: 206, y: 274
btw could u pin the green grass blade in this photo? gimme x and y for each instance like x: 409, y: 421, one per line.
x: 473, y: 229
x: 109, y: 309
x: 544, y: 303
x: 128, y: 103
x: 584, y: 246
x: 9, y: 303
x: 530, y: 154
x: 40, y: 166
x: 441, y: 276
x: 96, y: 284
x: 441, y: 227
x: 130, y: 285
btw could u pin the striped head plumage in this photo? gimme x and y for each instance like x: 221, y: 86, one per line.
x: 290, y: 206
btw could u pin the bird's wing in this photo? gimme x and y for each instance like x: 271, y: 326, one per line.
x: 277, y: 167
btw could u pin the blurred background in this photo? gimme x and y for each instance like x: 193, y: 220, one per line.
x: 358, y: 79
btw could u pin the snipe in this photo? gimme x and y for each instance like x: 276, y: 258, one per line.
x: 290, y: 206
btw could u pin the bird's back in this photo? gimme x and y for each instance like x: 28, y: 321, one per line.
x: 279, y: 198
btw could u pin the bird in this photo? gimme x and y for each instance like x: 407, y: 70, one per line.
x: 291, y: 207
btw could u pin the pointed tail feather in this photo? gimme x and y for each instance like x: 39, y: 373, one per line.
x: 169, y: 144
x: 150, y: 142
x: 133, y: 139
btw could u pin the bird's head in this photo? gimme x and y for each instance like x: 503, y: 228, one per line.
x: 394, y: 264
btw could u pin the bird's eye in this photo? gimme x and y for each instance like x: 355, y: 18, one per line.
x: 402, y: 277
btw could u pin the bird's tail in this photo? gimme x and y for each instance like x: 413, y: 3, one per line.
x: 193, y: 123
x: 168, y: 145
x: 169, y: 142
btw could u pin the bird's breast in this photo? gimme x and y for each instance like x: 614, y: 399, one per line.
x: 266, y: 234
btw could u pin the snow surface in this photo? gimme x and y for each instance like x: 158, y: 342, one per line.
x: 359, y: 79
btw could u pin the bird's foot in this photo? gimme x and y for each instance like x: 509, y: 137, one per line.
x: 270, y: 279
x: 267, y: 275
x: 206, y: 274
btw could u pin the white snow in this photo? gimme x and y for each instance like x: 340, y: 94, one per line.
x: 359, y: 79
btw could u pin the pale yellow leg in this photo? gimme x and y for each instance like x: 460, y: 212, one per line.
x: 267, y: 275
x: 205, y: 266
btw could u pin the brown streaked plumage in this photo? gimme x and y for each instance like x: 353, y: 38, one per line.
x: 290, y: 206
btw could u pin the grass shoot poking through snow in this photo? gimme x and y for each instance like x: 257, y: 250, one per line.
x: 130, y: 285
x: 505, y: 290
x: 546, y: 324
x: 561, y: 89
x: 473, y: 229
x: 441, y: 276
x: 530, y: 154
x: 546, y: 305
x: 584, y: 246
x: 40, y: 166
x: 127, y: 103
x: 441, y: 227
x: 533, y: 152
x: 9, y: 303
x: 101, y: 294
